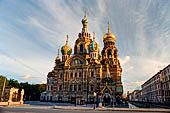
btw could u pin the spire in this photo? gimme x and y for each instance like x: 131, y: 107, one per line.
x: 108, y: 27
x: 84, y: 14
x: 67, y: 40
x: 58, y: 53
x: 107, y: 73
x: 93, y: 36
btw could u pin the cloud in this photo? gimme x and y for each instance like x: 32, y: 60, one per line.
x: 125, y: 60
x: 128, y: 68
x: 27, y: 77
x: 32, y: 32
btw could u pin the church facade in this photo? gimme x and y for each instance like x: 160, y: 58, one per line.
x: 87, y: 75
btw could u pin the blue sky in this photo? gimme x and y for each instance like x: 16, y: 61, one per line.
x: 31, y: 31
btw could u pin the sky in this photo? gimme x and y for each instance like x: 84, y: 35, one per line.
x: 31, y: 32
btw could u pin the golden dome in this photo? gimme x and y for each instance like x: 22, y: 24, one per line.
x: 58, y: 58
x: 66, y: 49
x: 109, y: 36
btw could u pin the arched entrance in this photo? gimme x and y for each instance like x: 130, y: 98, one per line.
x: 107, y: 99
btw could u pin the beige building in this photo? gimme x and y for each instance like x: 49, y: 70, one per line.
x: 166, y: 84
x: 157, y: 88
x: 77, y: 76
x: 152, y: 89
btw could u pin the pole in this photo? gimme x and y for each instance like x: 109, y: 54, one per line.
x: 2, y: 95
x: 94, y: 100
x: 75, y: 99
x: 87, y: 83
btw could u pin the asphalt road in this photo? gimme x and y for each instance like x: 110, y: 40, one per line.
x: 29, y: 110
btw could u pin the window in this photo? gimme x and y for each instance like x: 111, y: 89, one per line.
x: 92, y: 74
x: 79, y: 87
x: 80, y: 75
x: 66, y: 77
x: 60, y: 87
x: 84, y: 85
x: 75, y: 75
x: 71, y: 75
x: 109, y: 54
x: 85, y: 76
x: 75, y: 87
x: 61, y: 75
x: 70, y: 87
x: 48, y: 88
x: 81, y: 48
x: 51, y: 87
x: 91, y: 87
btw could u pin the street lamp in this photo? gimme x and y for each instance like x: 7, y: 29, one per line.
x: 87, y: 85
x: 75, y: 99
x: 94, y: 100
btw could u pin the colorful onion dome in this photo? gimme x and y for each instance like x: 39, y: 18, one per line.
x: 66, y: 49
x: 84, y: 20
x: 109, y: 36
x: 93, y: 45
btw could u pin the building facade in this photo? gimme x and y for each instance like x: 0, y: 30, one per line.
x: 77, y: 76
x: 166, y: 84
x: 152, y: 89
x: 157, y: 88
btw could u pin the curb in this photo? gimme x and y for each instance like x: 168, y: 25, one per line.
x: 90, y: 108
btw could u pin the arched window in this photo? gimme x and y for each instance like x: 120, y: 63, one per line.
x: 81, y: 48
x: 70, y: 87
x: 75, y: 87
x: 109, y: 53
x: 115, y: 53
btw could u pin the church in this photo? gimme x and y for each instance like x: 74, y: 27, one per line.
x: 88, y: 74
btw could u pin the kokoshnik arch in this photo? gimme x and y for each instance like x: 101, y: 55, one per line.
x: 78, y: 76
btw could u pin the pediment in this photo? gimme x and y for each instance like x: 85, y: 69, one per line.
x: 75, y: 60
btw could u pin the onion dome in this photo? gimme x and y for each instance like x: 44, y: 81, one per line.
x: 66, y: 49
x: 109, y: 36
x: 57, y: 58
x: 84, y: 20
x: 93, y: 45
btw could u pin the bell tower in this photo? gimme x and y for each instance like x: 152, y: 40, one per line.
x: 110, y: 57
x: 109, y: 52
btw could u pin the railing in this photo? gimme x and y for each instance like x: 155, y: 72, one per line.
x: 141, y: 104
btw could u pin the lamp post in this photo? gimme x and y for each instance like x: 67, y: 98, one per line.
x: 87, y: 85
x: 75, y: 99
x: 94, y: 100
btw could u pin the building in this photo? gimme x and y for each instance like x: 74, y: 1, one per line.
x: 152, y: 89
x: 157, y: 88
x: 77, y: 76
x: 134, y: 95
x: 166, y: 84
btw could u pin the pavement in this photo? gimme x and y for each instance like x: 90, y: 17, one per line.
x: 68, y: 107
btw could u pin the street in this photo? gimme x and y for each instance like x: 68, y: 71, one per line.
x: 50, y: 110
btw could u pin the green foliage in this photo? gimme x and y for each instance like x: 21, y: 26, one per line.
x: 32, y: 91
x: 2, y: 78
